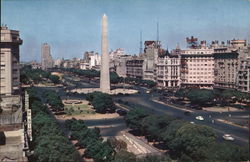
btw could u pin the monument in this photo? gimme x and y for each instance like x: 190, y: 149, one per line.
x: 105, y: 80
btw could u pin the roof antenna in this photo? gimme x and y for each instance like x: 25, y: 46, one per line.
x: 157, y: 37
x: 140, y: 41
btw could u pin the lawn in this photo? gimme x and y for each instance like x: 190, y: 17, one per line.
x: 78, y: 109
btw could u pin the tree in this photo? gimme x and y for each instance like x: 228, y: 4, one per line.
x: 181, y: 93
x: 134, y: 118
x: 54, y: 78
x: 116, y: 145
x: 124, y: 156
x: 53, y: 149
x: 193, y: 140
x: 24, y: 79
x: 153, y: 125
x: 228, y: 152
x: 101, y: 102
x: 169, y: 134
x: 200, y: 96
x: 155, y: 158
x: 114, y: 78
x: 99, y: 151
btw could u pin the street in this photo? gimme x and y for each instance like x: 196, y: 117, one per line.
x: 144, y: 101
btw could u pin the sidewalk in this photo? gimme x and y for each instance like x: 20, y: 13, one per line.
x: 173, y: 106
x: 231, y: 123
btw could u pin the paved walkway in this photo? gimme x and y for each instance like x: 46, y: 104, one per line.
x: 137, y: 146
x: 231, y: 123
x: 176, y: 107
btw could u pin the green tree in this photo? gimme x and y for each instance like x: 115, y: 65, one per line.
x: 114, y: 78
x: 99, y: 151
x: 134, y: 118
x: 54, y: 149
x: 153, y: 125
x: 103, y: 103
x: 124, y: 156
x: 228, y: 152
x: 169, y: 134
x: 181, y: 93
x: 200, y: 96
x: 117, y: 145
x: 155, y: 158
x: 54, y: 78
x: 193, y: 140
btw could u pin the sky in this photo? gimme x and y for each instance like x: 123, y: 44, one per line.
x: 72, y: 27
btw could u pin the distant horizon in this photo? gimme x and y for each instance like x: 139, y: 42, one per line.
x: 73, y: 27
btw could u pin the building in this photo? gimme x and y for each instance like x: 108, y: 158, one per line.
x: 10, y: 75
x: 168, y: 69
x: 118, y: 60
x: 197, y: 65
x: 46, y: 58
x: 12, y: 132
x: 135, y: 67
x: 227, y: 62
x: 243, y: 80
x: 151, y: 52
x: 91, y: 60
x: 58, y: 63
x: 117, y: 53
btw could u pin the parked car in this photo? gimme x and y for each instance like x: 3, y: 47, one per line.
x: 121, y: 112
x: 199, y: 118
x: 188, y: 113
x: 228, y: 137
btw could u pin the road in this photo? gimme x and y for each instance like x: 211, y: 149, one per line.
x: 144, y: 101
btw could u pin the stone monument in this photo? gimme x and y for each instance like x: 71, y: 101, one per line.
x: 105, y: 80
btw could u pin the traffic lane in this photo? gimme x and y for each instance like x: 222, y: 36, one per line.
x: 108, y: 127
x: 240, y: 134
x: 107, y: 121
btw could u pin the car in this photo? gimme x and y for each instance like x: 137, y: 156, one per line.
x: 188, y: 113
x: 228, y: 137
x: 148, y: 91
x: 192, y: 122
x: 199, y: 118
x: 121, y: 112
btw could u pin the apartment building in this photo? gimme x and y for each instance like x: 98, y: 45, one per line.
x: 168, y: 69
x: 197, y: 65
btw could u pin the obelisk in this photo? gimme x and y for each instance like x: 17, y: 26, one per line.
x: 105, y: 80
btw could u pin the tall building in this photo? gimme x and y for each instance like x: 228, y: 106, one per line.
x: 150, y: 56
x: 243, y: 79
x: 168, y: 69
x: 12, y: 141
x: 46, y: 58
x: 227, y: 62
x: 134, y: 67
x: 91, y: 60
x: 118, y: 60
x: 197, y: 65
x: 9, y: 75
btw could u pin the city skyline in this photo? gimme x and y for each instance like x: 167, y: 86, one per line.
x: 73, y: 27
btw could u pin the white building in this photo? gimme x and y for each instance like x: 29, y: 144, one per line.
x: 9, y: 65
x: 91, y: 60
x: 46, y: 58
x: 168, y: 70
x: 197, y: 66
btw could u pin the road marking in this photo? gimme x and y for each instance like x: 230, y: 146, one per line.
x: 231, y: 123
x: 160, y: 102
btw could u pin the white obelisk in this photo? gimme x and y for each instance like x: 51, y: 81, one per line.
x: 105, y: 80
